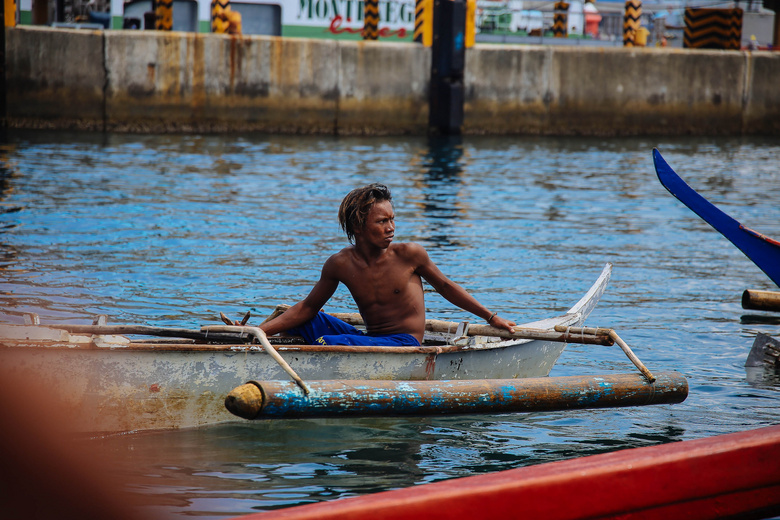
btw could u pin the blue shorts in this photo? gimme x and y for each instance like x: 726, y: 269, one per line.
x: 324, y: 329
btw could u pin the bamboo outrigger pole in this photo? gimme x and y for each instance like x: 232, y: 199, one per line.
x: 622, y: 344
x: 590, y: 336
x: 258, y: 333
x: 562, y: 333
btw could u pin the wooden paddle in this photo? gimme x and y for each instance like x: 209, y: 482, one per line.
x: 144, y: 330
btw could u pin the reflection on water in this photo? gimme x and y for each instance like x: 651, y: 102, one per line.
x: 172, y: 230
x: 271, y: 465
x: 441, y: 187
x: 760, y: 377
x: 760, y: 319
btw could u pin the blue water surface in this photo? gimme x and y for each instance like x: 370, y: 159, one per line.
x: 172, y: 230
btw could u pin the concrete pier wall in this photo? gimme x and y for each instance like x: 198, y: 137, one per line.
x: 150, y: 81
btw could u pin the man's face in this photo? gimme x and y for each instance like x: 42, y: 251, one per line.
x: 379, y: 229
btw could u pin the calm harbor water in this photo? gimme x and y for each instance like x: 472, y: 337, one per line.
x: 171, y: 230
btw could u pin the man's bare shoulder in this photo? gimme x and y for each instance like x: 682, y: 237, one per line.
x: 341, y: 258
x: 410, y: 250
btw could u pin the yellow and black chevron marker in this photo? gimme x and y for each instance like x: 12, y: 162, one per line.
x: 423, y: 22
x: 561, y: 20
x: 631, y: 21
x: 371, y: 20
x: 218, y: 7
x: 223, y: 19
x: 713, y: 28
x: 163, y: 15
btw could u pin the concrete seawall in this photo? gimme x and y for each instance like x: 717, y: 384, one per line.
x: 148, y: 81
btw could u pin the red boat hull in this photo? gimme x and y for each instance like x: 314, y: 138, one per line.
x: 733, y: 475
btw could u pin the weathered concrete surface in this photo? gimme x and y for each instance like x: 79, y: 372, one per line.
x: 199, y: 82
x: 762, y: 100
x: 615, y: 91
x: 55, y: 79
x: 383, y: 88
x: 147, y: 81
x: 507, y: 90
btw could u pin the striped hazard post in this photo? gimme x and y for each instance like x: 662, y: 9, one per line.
x: 631, y: 22
x: 219, y: 22
x: 471, y: 23
x: 9, y: 13
x: 371, y: 20
x: 561, y: 20
x: 423, y: 22
x: 713, y: 28
x: 163, y: 15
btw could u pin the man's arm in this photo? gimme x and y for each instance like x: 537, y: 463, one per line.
x: 307, y: 308
x: 453, y: 292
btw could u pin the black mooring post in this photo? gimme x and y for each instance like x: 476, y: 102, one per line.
x: 150, y: 17
x: 60, y: 14
x: 3, y: 88
x: 447, y: 64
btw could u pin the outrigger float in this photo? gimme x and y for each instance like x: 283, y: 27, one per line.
x: 282, y: 399
x: 180, y: 377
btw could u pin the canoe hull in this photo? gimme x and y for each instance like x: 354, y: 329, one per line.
x: 127, y: 389
x: 142, y: 386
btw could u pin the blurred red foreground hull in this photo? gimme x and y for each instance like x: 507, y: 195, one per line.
x: 734, y: 475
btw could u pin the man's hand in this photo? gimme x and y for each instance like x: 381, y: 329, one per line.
x: 500, y: 323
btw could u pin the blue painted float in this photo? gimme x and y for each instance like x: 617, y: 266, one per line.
x: 283, y: 399
x: 762, y: 250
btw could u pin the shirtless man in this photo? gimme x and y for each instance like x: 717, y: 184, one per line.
x: 384, y: 278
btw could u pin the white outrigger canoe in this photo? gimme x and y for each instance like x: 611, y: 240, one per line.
x: 110, y: 383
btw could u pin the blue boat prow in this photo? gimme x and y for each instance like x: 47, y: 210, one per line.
x: 762, y: 250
